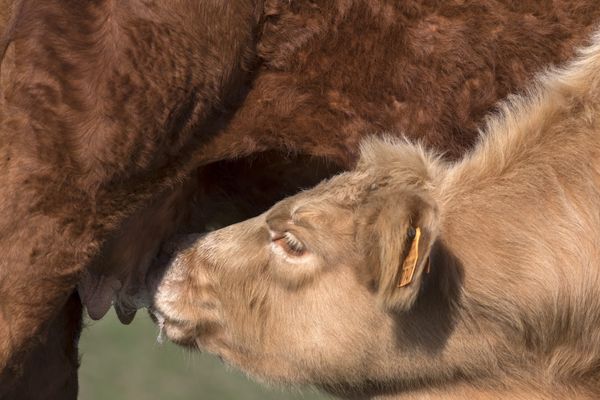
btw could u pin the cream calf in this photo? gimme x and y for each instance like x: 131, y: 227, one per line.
x: 413, y: 278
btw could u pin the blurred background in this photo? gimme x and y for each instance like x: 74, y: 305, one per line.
x: 126, y: 362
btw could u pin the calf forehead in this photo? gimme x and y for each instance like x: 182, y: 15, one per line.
x: 343, y: 191
x: 310, y: 212
x: 324, y: 216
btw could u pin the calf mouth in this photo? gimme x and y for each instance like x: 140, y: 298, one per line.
x: 176, y: 331
x: 204, y: 336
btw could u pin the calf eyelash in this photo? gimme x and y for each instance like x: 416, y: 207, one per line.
x: 287, y: 245
x: 294, y: 244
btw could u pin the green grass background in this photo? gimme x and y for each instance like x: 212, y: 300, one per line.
x: 126, y: 362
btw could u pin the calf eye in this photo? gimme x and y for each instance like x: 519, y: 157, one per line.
x: 290, y: 244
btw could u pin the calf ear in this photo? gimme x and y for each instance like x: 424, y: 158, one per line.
x: 405, y: 234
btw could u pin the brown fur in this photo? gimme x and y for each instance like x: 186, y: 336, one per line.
x: 102, y: 104
x: 107, y: 106
x: 308, y: 292
x: 334, y: 71
x: 5, y: 13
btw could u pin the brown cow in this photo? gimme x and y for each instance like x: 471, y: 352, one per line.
x: 411, y: 277
x: 107, y: 106
x: 103, y: 105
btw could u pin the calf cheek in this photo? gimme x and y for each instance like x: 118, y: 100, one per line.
x: 247, y: 305
x: 325, y: 331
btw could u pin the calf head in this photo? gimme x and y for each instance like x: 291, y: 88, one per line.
x: 326, y: 287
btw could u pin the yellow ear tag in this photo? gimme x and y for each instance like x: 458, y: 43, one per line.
x: 410, y: 262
